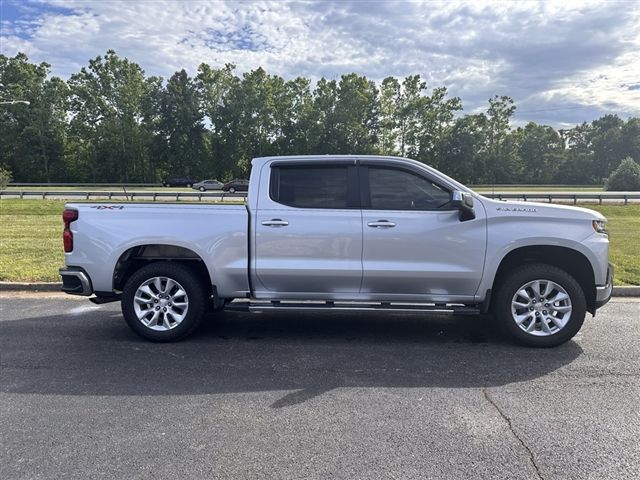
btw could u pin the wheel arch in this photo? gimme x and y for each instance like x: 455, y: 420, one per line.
x: 135, y: 257
x: 568, y: 259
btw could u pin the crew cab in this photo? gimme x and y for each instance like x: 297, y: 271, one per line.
x: 340, y: 232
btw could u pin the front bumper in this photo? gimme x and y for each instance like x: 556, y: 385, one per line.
x: 75, y: 281
x: 603, y: 292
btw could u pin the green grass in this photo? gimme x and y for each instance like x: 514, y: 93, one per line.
x: 624, y: 233
x: 31, y: 240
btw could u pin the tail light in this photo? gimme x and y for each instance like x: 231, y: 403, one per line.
x: 68, y: 216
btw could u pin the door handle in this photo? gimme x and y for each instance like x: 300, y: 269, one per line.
x: 275, y: 222
x: 381, y: 224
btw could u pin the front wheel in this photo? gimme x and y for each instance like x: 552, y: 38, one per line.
x: 540, y: 305
x: 232, y: 190
x: 163, y: 301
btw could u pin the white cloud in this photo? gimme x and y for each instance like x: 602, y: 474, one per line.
x: 547, y: 55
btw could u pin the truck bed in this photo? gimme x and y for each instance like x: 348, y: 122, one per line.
x: 216, y: 234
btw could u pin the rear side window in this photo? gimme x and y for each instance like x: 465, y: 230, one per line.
x: 396, y: 189
x: 305, y: 186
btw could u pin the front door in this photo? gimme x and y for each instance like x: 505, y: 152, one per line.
x: 414, y: 244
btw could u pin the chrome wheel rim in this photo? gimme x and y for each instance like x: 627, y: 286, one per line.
x: 161, y: 303
x: 541, y: 308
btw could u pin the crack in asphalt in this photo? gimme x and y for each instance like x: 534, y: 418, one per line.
x: 532, y: 459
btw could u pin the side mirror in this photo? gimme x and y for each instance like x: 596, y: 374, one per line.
x: 463, y: 202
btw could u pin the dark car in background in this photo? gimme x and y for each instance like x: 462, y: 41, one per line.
x: 179, y: 182
x: 236, y: 185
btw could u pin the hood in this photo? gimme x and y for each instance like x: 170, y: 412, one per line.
x: 537, y: 209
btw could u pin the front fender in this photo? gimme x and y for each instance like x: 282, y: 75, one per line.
x: 497, y: 254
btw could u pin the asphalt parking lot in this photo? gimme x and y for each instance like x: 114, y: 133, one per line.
x: 321, y: 396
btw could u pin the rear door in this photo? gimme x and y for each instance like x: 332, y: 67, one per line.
x: 414, y: 244
x: 308, y: 230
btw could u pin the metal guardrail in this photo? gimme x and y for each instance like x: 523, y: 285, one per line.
x: 549, y: 197
x: 44, y: 186
x: 498, y: 186
x: 84, y: 185
x: 86, y: 195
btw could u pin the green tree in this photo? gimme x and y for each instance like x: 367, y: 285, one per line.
x: 463, y: 150
x: 249, y: 116
x: 32, y: 136
x: 294, y: 117
x: 410, y: 104
x: 577, y: 168
x: 539, y: 148
x: 436, y: 118
x: 325, y: 130
x: 181, y: 126
x: 107, y: 101
x: 606, y: 144
x: 5, y: 177
x: 503, y: 165
x: 356, y: 115
x: 626, y: 177
x: 389, y: 119
x: 594, y: 149
x: 214, y: 86
x: 110, y: 122
x: 630, y: 138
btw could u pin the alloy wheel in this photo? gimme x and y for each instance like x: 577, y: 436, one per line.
x: 541, y: 307
x: 161, y: 303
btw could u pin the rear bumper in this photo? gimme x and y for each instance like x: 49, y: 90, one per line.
x: 75, y: 281
x: 603, y: 292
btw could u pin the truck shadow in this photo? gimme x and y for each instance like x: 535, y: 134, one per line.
x: 96, y: 354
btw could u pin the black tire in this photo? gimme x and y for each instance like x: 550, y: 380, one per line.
x: 202, y: 189
x: 189, y: 185
x: 192, y: 285
x: 168, y: 185
x: 232, y: 190
x: 519, y: 277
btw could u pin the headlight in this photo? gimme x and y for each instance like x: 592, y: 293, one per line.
x: 600, y: 226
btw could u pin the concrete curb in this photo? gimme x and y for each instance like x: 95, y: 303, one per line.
x: 626, y: 292
x: 56, y: 286
x: 30, y: 287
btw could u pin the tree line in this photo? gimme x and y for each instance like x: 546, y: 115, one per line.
x: 110, y: 122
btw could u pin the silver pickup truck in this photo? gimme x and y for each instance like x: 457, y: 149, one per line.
x: 343, y: 233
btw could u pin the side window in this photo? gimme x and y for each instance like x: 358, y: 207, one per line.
x: 305, y: 186
x: 395, y: 189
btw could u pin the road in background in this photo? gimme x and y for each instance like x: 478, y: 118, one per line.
x: 313, y: 396
x: 119, y: 195
x: 191, y: 195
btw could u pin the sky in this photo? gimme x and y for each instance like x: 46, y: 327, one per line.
x: 562, y: 62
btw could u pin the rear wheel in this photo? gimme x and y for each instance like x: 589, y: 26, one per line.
x: 202, y: 189
x: 232, y: 190
x: 163, y: 301
x: 540, y: 305
x: 189, y: 185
